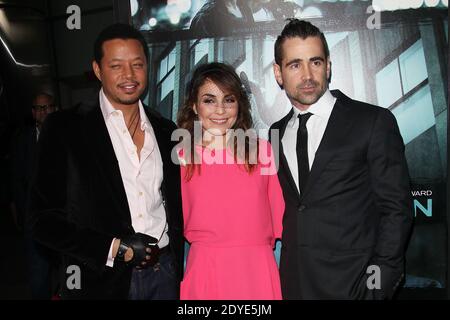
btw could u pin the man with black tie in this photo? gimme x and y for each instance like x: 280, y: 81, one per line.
x: 106, y: 193
x: 344, y: 178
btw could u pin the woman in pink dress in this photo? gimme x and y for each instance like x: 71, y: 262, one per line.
x: 232, y: 200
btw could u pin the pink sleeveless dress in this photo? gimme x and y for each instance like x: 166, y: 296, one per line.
x: 231, y: 220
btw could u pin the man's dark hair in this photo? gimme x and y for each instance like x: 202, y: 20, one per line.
x: 298, y: 28
x: 42, y: 93
x: 117, y: 31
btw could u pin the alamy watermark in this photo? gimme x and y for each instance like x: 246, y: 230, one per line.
x: 239, y: 142
x: 73, y: 22
x: 374, y: 279
x: 374, y: 20
x: 74, y: 279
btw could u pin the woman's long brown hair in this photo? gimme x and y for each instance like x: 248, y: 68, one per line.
x: 227, y: 80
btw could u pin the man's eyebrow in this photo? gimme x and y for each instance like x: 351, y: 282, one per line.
x: 318, y: 58
x: 297, y: 60
x: 119, y: 59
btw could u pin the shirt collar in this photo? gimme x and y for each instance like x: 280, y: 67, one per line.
x: 106, y: 106
x: 108, y: 109
x: 321, y: 108
x: 145, y: 123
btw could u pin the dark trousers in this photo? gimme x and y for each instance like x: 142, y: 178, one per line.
x: 39, y: 269
x: 155, y: 283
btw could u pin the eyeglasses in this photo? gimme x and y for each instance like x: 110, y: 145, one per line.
x: 45, y: 107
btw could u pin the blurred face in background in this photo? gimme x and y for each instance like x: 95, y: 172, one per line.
x: 42, y: 106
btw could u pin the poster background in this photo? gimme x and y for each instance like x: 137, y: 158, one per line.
x: 402, y: 66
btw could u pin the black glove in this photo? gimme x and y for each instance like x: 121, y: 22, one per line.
x: 138, y: 242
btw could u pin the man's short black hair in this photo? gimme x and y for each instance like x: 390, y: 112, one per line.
x: 302, y: 29
x: 44, y: 94
x: 117, y: 31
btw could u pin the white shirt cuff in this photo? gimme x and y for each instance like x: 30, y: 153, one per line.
x: 110, y: 261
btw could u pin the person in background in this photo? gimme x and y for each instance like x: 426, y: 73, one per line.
x: 41, y: 261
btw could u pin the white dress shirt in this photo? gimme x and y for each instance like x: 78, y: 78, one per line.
x: 141, y: 176
x: 316, y: 125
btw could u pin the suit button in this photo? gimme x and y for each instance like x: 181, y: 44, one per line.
x: 301, y: 208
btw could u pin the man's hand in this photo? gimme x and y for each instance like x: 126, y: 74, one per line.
x: 139, y: 247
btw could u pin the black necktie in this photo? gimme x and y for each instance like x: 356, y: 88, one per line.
x: 302, y: 151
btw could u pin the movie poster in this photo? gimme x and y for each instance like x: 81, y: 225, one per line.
x: 389, y: 53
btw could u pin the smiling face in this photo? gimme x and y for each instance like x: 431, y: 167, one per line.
x: 122, y: 71
x: 304, y: 71
x: 216, y: 109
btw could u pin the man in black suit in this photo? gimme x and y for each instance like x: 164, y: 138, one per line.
x: 344, y: 178
x: 106, y: 193
x: 40, y: 259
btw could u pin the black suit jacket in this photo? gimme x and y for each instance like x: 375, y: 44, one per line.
x: 23, y: 154
x: 79, y: 202
x: 355, y: 210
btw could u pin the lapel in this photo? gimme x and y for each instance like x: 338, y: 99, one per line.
x: 98, y: 141
x: 334, y: 136
x: 163, y: 135
x: 31, y: 150
x: 283, y: 166
x: 32, y: 143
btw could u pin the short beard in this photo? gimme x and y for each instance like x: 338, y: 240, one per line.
x: 308, y: 100
x: 128, y: 101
